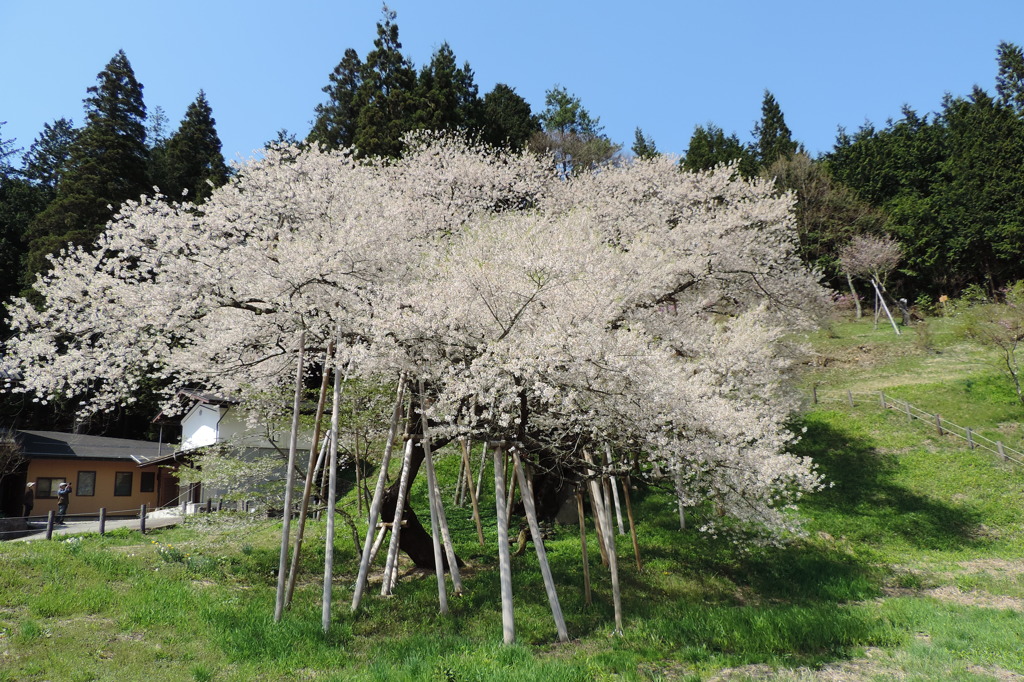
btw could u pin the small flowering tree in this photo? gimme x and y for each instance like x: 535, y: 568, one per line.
x: 638, y: 308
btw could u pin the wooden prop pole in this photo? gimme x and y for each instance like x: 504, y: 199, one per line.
x: 508, y: 627
x: 615, y: 490
x: 378, y: 496
x: 480, y: 473
x: 332, y: 493
x: 596, y: 508
x: 457, y: 499
x: 472, y: 492
x: 391, y: 565
x: 282, y: 564
x: 613, y: 562
x: 307, y: 487
x: 435, y: 530
x: 632, y: 522
x: 442, y: 518
x: 538, y: 546
x: 583, y: 547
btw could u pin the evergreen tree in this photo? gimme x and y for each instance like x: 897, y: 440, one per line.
x: 643, y: 146
x: 571, y: 135
x: 711, y: 147
x: 47, y: 159
x: 194, y: 165
x: 385, y: 100
x: 447, y: 96
x: 1010, y: 79
x: 506, y: 119
x: 335, y: 124
x: 773, y: 137
x: 108, y: 165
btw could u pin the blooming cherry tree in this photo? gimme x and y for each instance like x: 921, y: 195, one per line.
x: 639, y: 307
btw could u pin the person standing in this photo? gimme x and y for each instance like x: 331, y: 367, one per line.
x: 63, y: 498
x: 30, y: 499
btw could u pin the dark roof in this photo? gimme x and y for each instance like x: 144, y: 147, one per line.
x: 57, y: 445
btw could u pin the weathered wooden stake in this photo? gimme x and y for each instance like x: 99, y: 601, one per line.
x: 615, y: 490
x: 103, y: 520
x: 504, y: 554
x: 613, y: 565
x: 286, y: 517
x: 457, y: 499
x: 1002, y: 452
x: 970, y: 438
x: 142, y: 519
x: 332, y: 494
x: 910, y: 415
x: 391, y: 565
x: 849, y: 396
x: 632, y: 523
x: 307, y: 487
x: 938, y: 424
x: 583, y: 548
x: 472, y: 492
x: 538, y: 546
x: 435, y: 530
x: 49, y: 524
x: 881, y: 399
x: 480, y: 473
x: 378, y: 497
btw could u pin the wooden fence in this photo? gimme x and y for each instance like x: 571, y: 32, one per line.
x: 942, y: 426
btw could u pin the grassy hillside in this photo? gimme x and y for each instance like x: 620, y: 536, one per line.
x: 913, y: 567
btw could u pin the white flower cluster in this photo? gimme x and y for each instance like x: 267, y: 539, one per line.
x: 638, y: 306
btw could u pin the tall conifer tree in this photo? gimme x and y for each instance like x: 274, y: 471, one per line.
x: 108, y: 165
x: 194, y: 164
x: 773, y: 137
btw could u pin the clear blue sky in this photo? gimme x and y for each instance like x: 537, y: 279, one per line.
x: 663, y: 65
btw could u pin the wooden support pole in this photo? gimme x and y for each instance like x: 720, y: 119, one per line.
x: 814, y: 393
x: 391, y: 565
x: 286, y: 517
x: 938, y: 424
x: 378, y: 497
x: 504, y: 554
x: 49, y: 524
x: 849, y: 396
x: 142, y: 519
x: 613, y: 563
x: 632, y: 523
x: 472, y: 492
x: 970, y: 438
x: 103, y: 520
x: 460, y: 479
x: 538, y: 546
x: 583, y: 548
x: 480, y: 473
x: 307, y: 486
x: 332, y: 494
x: 1001, y: 450
x: 615, y: 490
x: 679, y: 501
x: 910, y: 415
x: 881, y: 399
x: 435, y: 527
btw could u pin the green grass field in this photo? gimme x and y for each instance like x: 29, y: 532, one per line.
x: 912, y: 568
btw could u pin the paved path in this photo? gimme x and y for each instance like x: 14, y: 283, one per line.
x: 78, y: 527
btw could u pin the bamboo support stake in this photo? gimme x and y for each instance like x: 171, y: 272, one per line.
x: 504, y: 554
x: 538, y: 546
x: 583, y: 548
x: 435, y: 529
x: 293, y: 440
x: 391, y: 565
x: 332, y: 492
x: 307, y: 487
x: 472, y: 492
x: 632, y: 523
x: 378, y: 497
x: 381, y: 534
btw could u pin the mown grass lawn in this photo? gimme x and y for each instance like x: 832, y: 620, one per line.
x: 913, y: 568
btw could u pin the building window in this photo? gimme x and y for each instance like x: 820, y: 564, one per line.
x: 147, y: 482
x: 122, y: 484
x: 86, y: 484
x: 46, y: 488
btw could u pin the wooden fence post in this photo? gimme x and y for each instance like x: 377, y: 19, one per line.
x: 938, y: 424
x: 814, y: 393
x: 970, y: 438
x: 849, y: 396
x: 103, y: 520
x: 910, y: 416
x: 881, y: 398
x: 1002, y: 452
x: 49, y: 524
x: 142, y: 519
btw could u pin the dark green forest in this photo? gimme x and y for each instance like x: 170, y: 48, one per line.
x: 946, y: 187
